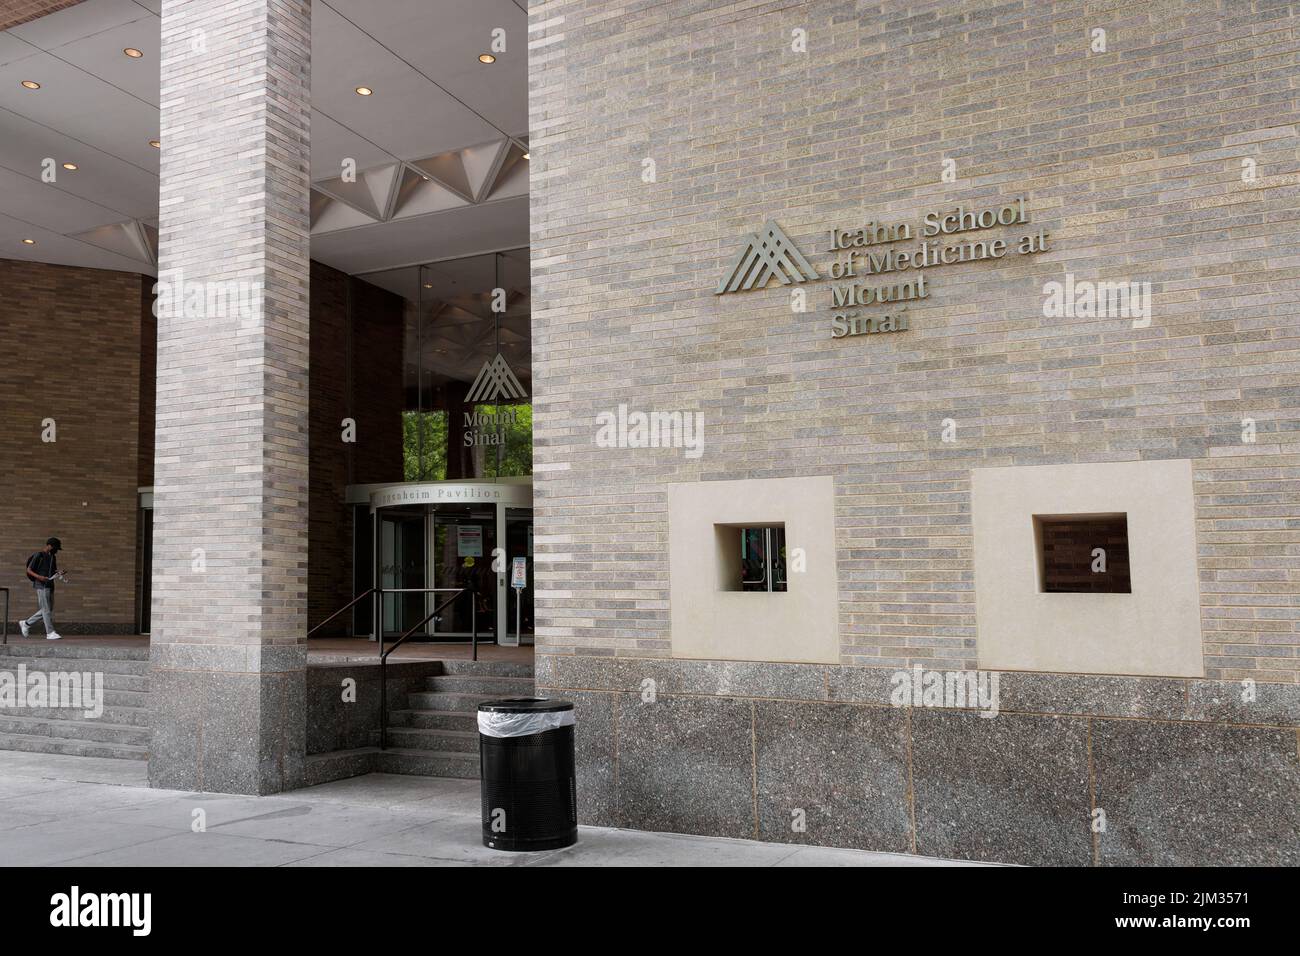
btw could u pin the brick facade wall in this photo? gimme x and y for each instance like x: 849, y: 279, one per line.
x: 356, y: 372
x: 1131, y: 159
x: 72, y: 343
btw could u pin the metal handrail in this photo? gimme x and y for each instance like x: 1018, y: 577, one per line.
x: 383, y: 654
x: 432, y: 614
x: 365, y: 594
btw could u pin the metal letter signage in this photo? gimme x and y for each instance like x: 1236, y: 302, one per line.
x: 871, y: 269
x: 764, y: 258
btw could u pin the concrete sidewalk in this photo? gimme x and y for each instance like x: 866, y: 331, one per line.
x: 85, y: 811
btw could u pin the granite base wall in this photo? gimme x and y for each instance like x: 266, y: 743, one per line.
x: 335, y: 724
x: 1181, y: 772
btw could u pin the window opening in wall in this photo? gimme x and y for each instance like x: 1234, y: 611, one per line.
x: 1084, y: 554
x: 751, y: 558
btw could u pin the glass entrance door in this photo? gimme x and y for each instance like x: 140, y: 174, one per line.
x: 462, y: 543
x: 402, y: 565
x: 519, y: 601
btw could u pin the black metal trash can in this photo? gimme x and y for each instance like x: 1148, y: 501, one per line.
x: 527, y: 774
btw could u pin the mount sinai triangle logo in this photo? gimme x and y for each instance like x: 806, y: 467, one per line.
x: 766, y: 256
x: 495, y: 381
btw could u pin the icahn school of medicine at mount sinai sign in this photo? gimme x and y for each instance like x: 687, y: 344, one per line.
x: 871, y: 270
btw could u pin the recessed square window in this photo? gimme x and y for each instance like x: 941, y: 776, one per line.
x: 713, y: 617
x: 1083, y: 554
x: 1150, y: 627
x: 751, y: 557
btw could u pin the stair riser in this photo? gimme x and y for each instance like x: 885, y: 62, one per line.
x: 488, y: 668
x: 67, y: 730
x: 126, y: 682
x: 421, y: 766
x: 132, y: 716
x: 487, y: 686
x: 431, y: 721
x: 140, y: 669
x: 123, y: 698
x: 415, y: 740
x: 78, y: 748
x: 58, y: 649
x: 107, y: 695
x: 437, y: 700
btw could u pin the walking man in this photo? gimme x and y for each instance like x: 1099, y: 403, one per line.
x: 43, y: 569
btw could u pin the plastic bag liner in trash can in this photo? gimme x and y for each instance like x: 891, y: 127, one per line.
x: 527, y: 772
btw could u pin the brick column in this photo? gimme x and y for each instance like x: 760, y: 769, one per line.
x: 230, y: 549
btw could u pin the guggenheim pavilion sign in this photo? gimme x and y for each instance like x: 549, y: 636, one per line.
x: 873, y: 277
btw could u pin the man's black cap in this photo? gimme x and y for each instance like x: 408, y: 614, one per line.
x: 55, y: 542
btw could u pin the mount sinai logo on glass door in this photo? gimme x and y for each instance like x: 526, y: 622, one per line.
x: 495, y: 382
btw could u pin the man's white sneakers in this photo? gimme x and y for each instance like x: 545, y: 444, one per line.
x: 22, y: 626
x: 54, y: 636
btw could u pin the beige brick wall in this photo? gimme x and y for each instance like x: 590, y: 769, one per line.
x: 1131, y: 159
x: 71, y: 341
x: 230, y: 542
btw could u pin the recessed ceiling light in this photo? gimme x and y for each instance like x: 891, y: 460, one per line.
x: 31, y: 84
x: 133, y: 53
x: 155, y: 144
x: 364, y: 91
x: 69, y: 165
x: 29, y: 242
x: 428, y: 285
x: 486, y: 58
x: 526, y: 156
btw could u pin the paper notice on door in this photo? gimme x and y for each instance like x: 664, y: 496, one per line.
x: 469, y: 541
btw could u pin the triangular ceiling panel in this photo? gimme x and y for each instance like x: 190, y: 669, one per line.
x: 449, y: 170
x: 336, y: 215
x: 418, y: 196
x: 481, y: 165
x: 319, y: 202
x: 370, y: 193
x: 512, y: 178
x: 123, y: 238
x: 151, y: 239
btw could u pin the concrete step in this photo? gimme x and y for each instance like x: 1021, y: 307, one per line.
x: 125, y: 698
x: 131, y: 682
x: 482, y: 684
x: 442, y: 700
x: 104, y: 665
x: 434, y: 719
x: 87, y: 730
x: 422, y: 738
x: 103, y: 652
x: 428, y: 763
x: 72, y: 747
x: 112, y: 679
x: 132, y: 716
x: 489, y: 668
x: 338, y: 764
